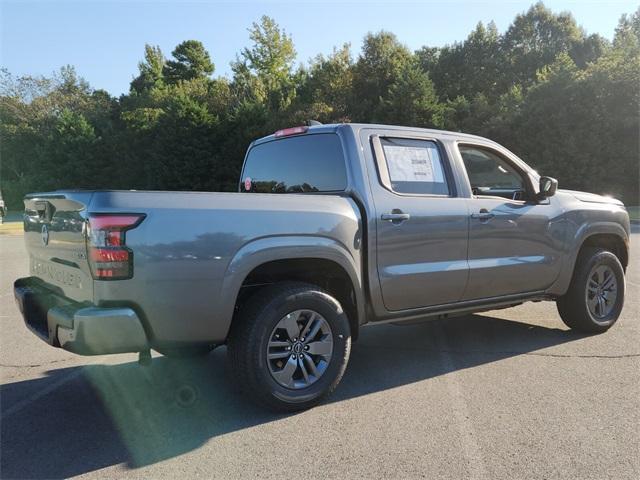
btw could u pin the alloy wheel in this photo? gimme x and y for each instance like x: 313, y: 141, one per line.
x: 602, y: 291
x: 299, y: 349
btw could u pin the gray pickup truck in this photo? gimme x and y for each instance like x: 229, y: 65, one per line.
x: 378, y: 224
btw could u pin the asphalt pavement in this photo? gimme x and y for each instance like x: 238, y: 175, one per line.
x: 508, y: 394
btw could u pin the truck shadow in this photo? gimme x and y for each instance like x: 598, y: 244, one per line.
x: 81, y: 419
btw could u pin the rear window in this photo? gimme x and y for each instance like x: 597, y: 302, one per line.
x: 308, y: 163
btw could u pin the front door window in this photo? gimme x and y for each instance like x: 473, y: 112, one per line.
x: 491, y: 175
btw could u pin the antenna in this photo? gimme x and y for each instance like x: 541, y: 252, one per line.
x: 313, y: 123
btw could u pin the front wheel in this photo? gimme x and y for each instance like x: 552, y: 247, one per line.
x: 289, y: 346
x: 596, y: 294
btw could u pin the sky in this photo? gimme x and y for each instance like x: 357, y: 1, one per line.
x: 105, y: 40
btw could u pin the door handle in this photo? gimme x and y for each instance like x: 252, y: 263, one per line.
x: 484, y: 214
x: 395, y: 217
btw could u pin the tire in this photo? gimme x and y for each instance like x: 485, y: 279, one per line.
x: 258, y: 326
x: 579, y: 308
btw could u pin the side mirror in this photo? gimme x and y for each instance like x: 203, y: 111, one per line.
x: 548, y: 187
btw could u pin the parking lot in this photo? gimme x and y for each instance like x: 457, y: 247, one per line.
x: 504, y: 394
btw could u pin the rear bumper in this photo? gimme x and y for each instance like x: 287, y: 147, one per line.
x: 78, y: 327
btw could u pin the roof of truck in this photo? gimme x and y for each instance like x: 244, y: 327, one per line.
x: 332, y: 127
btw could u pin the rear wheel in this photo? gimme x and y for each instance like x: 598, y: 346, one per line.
x: 289, y: 346
x: 596, y: 294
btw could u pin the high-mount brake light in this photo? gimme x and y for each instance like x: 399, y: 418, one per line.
x: 109, y: 257
x: 291, y: 131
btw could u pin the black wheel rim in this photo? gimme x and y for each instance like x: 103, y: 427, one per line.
x: 299, y: 349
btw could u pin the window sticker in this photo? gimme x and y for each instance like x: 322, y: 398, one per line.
x: 414, y: 164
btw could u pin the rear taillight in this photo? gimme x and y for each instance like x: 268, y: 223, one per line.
x: 109, y: 257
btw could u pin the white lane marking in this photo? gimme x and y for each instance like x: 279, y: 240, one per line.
x: 468, y: 436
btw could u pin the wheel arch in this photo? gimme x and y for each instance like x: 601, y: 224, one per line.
x: 316, y: 260
x: 612, y: 242
x: 609, y: 235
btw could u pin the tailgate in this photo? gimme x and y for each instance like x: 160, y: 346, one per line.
x: 55, y: 228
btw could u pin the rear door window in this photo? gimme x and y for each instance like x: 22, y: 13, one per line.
x: 415, y: 166
x: 306, y: 163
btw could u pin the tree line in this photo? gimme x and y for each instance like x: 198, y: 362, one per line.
x: 566, y: 101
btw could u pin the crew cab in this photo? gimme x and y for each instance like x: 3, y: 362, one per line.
x: 333, y: 227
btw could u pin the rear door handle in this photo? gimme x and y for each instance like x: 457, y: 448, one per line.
x: 396, y: 216
x: 484, y: 214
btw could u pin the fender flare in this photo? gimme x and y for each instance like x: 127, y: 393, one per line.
x: 287, y: 247
x: 574, y: 245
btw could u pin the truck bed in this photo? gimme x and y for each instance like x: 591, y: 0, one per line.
x: 186, y: 251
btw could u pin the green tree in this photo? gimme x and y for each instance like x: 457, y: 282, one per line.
x: 412, y: 99
x: 263, y: 72
x: 382, y: 61
x: 467, y: 68
x: 192, y: 61
x: 627, y: 35
x: 589, y: 50
x: 535, y: 39
x: 326, y: 87
x: 567, y: 126
x: 567, y: 102
x: 151, y: 70
x: 54, y: 133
